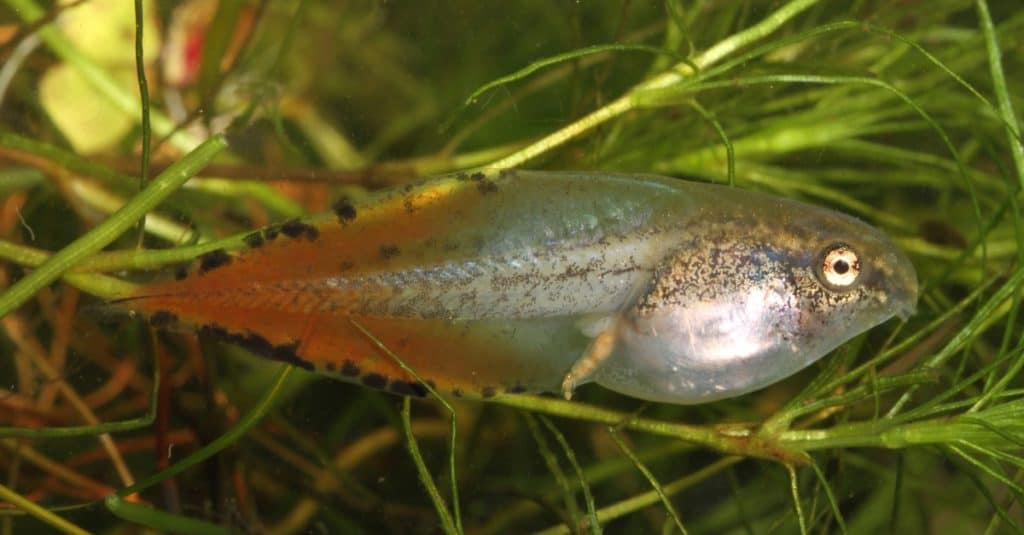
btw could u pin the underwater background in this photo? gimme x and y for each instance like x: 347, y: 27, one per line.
x: 904, y: 114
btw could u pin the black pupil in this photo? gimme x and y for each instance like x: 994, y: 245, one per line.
x: 841, y: 267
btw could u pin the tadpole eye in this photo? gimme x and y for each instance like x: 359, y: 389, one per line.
x: 840, y: 267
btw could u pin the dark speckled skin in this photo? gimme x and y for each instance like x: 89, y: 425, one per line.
x: 739, y: 304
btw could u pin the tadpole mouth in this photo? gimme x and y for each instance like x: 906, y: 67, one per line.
x: 906, y: 311
x: 904, y: 286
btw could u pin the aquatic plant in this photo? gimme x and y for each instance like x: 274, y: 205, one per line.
x: 901, y: 113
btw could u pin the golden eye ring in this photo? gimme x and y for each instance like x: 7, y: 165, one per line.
x: 839, y: 268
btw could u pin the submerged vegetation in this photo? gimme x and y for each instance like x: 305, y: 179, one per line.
x: 905, y: 114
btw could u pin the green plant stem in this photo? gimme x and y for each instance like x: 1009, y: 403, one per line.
x: 452, y: 439
x: 447, y: 521
x: 553, y: 60
x: 995, y: 64
x: 34, y: 151
x: 16, y: 179
x: 677, y: 73
x: 665, y: 502
x: 588, y: 496
x: 140, y: 73
x: 159, y: 520
x: 105, y: 233
x: 90, y: 283
x: 92, y: 195
x: 983, y: 316
x: 836, y: 513
x: 791, y: 446
x: 145, y: 420
x: 635, y: 503
x: 572, y: 509
x: 39, y: 512
x: 730, y: 439
x: 147, y: 130
x: 877, y: 434
x: 236, y: 432
x: 794, y: 489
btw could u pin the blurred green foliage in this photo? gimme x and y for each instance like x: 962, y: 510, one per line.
x: 891, y: 111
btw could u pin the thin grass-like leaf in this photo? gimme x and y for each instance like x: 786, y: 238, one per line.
x: 794, y: 489
x: 1001, y: 89
x: 666, y: 503
x: 163, y: 521
x: 109, y: 230
x: 447, y: 522
x: 551, y: 461
x: 39, y: 512
x: 453, y: 437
